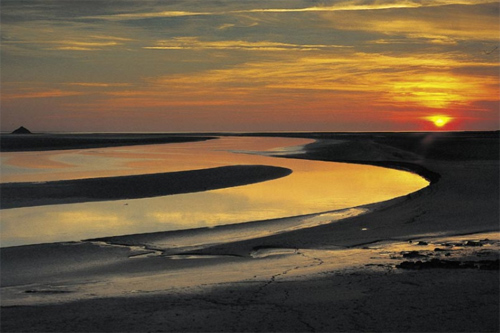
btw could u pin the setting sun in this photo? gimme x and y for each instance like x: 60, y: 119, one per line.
x: 439, y: 121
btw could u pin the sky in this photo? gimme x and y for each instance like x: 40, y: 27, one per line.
x: 252, y: 65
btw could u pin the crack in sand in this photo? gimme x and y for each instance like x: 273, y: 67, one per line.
x: 299, y: 315
x: 240, y: 305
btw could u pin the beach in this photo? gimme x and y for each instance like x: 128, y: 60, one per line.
x: 423, y: 262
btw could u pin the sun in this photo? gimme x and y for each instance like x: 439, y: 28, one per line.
x: 439, y: 121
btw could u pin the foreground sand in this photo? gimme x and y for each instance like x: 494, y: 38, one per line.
x: 341, y: 276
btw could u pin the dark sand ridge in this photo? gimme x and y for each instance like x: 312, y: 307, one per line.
x: 309, y: 287
x: 38, y: 142
x: 15, y: 195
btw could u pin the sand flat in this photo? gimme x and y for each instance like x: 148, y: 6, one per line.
x: 340, y: 276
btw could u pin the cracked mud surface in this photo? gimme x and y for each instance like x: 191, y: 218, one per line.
x: 319, y: 292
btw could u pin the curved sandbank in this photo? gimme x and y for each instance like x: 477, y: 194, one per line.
x: 15, y: 195
x: 40, y: 142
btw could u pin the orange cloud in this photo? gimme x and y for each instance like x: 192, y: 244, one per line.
x: 39, y: 94
x: 439, y: 25
x: 411, y: 79
x: 98, y: 84
x: 340, y: 85
x: 68, y: 45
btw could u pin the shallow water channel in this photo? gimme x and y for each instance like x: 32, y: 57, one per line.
x: 313, y: 187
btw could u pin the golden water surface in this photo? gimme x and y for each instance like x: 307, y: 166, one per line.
x: 313, y: 187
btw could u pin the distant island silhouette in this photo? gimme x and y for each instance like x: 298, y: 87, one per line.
x: 22, y: 130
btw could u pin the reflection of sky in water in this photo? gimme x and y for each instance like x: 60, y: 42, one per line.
x: 13, y: 171
x: 133, y: 160
x: 313, y: 187
x: 92, y: 161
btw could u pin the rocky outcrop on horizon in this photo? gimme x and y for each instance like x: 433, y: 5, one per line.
x: 22, y: 130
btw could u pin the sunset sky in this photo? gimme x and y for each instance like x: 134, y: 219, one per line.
x: 227, y: 65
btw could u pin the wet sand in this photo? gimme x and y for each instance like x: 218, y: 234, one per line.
x: 15, y: 195
x: 336, y: 277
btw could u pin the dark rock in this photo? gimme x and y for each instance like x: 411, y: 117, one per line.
x: 434, y: 263
x: 472, y: 243
x: 422, y: 243
x: 21, y: 130
x: 450, y: 264
x: 406, y: 265
x: 412, y: 254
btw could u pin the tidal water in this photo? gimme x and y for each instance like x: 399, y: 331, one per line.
x: 313, y: 187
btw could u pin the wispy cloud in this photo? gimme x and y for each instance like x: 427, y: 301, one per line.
x: 98, y: 84
x: 114, y: 38
x: 39, y: 94
x: 46, y: 41
x: 389, y: 80
x: 80, y: 46
x: 336, y: 7
x: 194, y: 43
x: 461, y: 23
x: 416, y: 39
